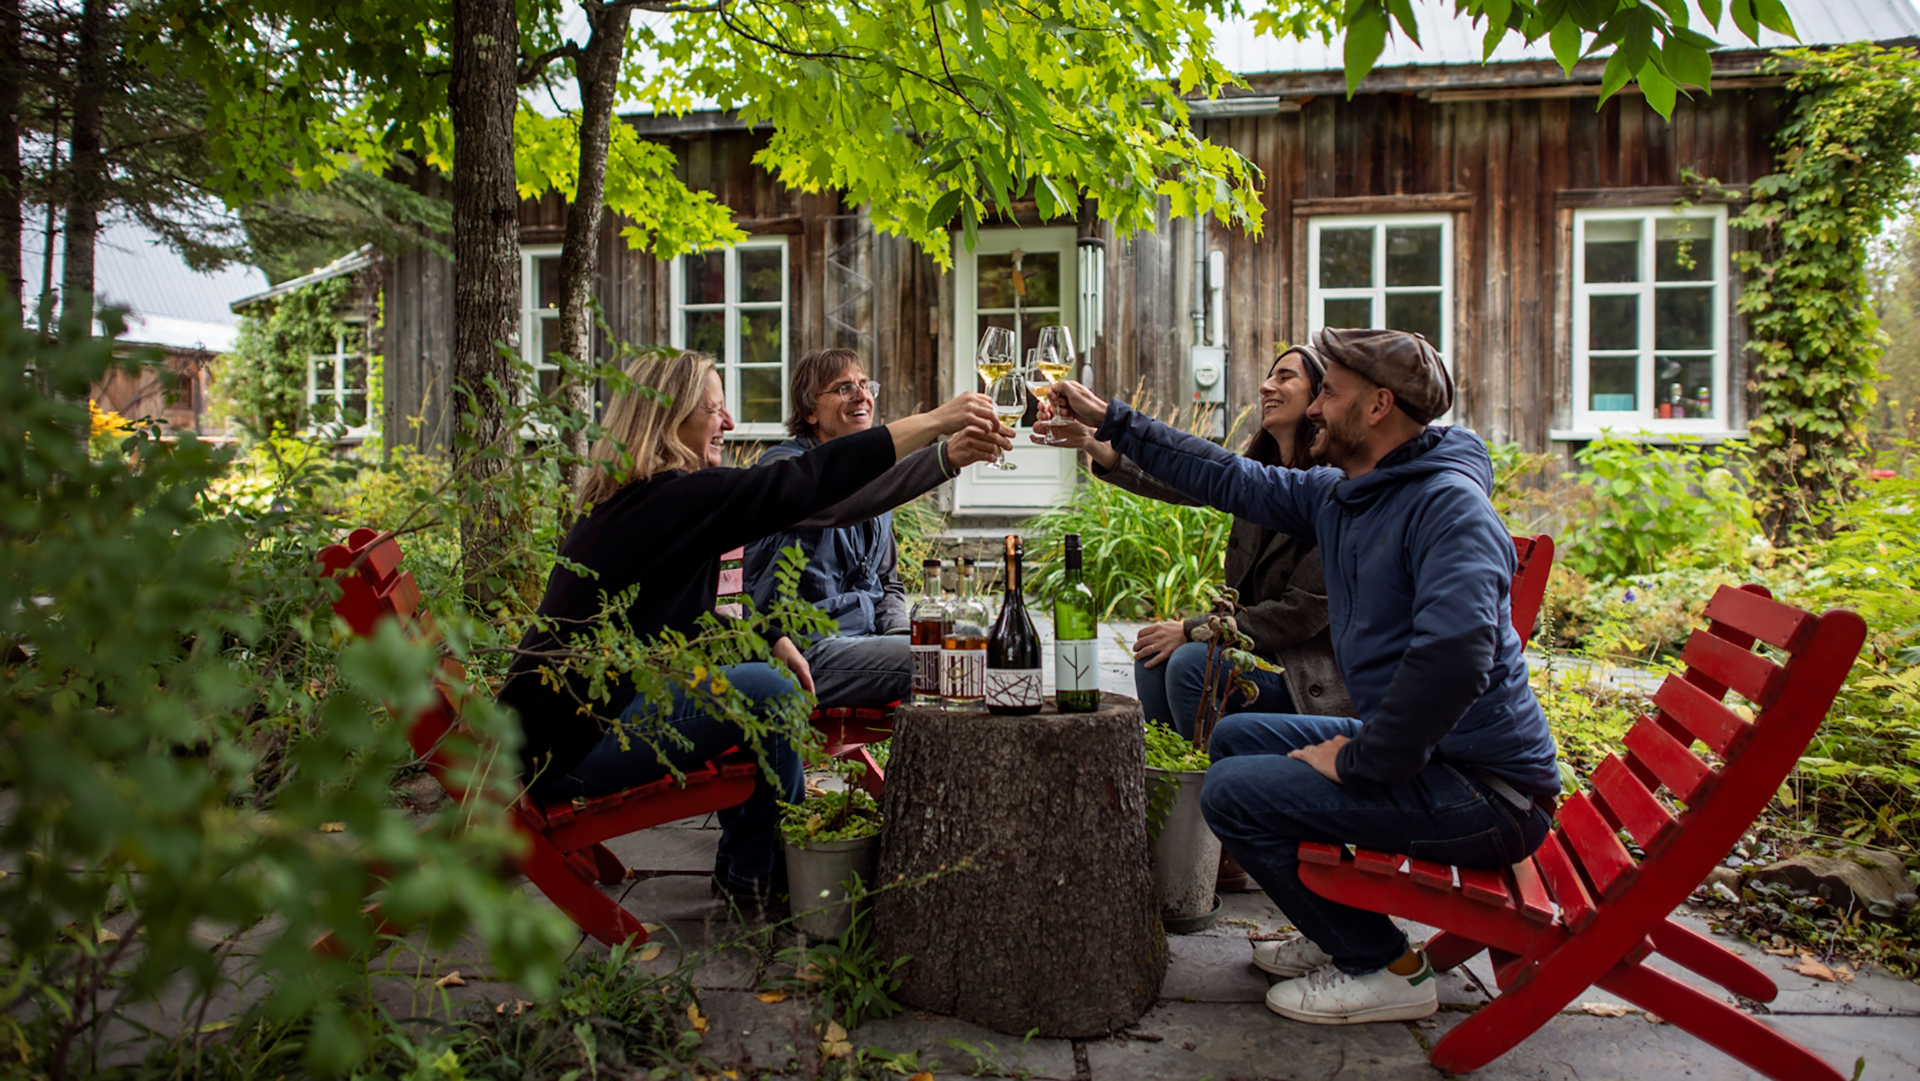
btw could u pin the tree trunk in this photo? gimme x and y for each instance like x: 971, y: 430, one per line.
x: 1054, y: 925
x: 597, y: 69
x: 86, y: 171
x: 11, y: 173
x: 486, y: 280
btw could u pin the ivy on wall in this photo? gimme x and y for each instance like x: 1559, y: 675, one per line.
x: 1845, y: 168
x: 264, y: 379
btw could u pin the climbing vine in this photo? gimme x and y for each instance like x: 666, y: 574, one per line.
x: 1846, y: 144
x: 264, y: 379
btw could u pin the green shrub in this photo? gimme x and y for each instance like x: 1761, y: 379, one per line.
x: 1143, y: 559
x: 1657, y: 507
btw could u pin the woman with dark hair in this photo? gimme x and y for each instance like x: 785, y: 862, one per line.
x: 1277, y: 576
x: 657, y: 512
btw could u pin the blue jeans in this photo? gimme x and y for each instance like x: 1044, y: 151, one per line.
x: 1170, y: 692
x: 750, y: 857
x: 1262, y: 804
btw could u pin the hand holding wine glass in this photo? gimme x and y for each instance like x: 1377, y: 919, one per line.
x: 1073, y: 400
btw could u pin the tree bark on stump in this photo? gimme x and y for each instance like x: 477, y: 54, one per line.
x: 1054, y: 925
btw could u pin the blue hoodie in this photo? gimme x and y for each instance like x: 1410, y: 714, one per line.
x: 1418, y: 570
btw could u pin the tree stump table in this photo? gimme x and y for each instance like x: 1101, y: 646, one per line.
x: 1053, y: 926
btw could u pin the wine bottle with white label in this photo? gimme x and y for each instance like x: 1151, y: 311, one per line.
x: 928, y: 624
x: 1013, y: 649
x: 963, y: 647
x: 1076, y: 652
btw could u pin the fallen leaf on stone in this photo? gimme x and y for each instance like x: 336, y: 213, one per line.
x: 333, y: 827
x: 1605, y: 1009
x: 925, y: 1075
x: 653, y: 928
x: 650, y: 951
x: 1655, y: 1019
x: 699, y: 1020
x: 836, y: 1050
x: 451, y: 979
x: 1844, y: 973
x: 772, y: 996
x: 1810, y: 967
x: 1788, y: 952
x: 834, y: 1033
x: 809, y: 974
x: 520, y: 1006
x: 104, y: 936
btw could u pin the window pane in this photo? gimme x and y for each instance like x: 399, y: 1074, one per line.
x: 706, y: 333
x: 1683, y: 319
x: 1613, y: 322
x: 706, y: 277
x: 1346, y: 260
x: 1042, y: 270
x: 1684, y: 386
x: 1417, y: 312
x: 760, y: 274
x: 760, y: 337
x: 546, y: 274
x: 549, y: 381
x: 1348, y: 312
x: 356, y: 375
x: 760, y: 396
x: 323, y: 375
x: 353, y: 410
x: 547, y: 339
x: 323, y: 409
x: 1413, y: 257
x: 995, y: 288
x: 1613, y: 251
x: 1683, y: 250
x: 1613, y: 384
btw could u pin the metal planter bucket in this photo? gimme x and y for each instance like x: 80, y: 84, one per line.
x: 817, y: 876
x: 1186, y: 856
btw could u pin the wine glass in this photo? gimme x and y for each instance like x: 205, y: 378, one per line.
x: 1043, y: 367
x: 1009, y: 396
x: 996, y: 355
x: 1063, y: 363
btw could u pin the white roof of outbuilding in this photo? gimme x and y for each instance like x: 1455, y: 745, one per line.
x: 169, y: 304
x: 1450, y: 39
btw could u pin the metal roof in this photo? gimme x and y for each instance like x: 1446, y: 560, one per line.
x: 169, y: 303
x: 357, y: 260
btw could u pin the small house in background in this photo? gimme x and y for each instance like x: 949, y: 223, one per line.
x: 1562, y: 257
x: 170, y: 306
x: 340, y: 370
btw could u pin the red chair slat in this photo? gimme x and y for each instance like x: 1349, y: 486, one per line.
x: 1639, y: 812
x: 1676, y: 767
x: 1596, y: 847
x: 1535, y: 903
x: 1529, y: 586
x: 1711, y: 722
x: 403, y: 595
x: 1437, y: 876
x: 1377, y: 863
x: 1768, y: 620
x: 1756, y: 678
x: 382, y: 558
x: 1563, y: 879
x: 1325, y: 855
x: 1487, y: 887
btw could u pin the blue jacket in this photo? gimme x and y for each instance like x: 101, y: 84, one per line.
x: 851, y: 572
x: 1418, y: 570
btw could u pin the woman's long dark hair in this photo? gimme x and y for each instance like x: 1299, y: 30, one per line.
x: 1263, y: 447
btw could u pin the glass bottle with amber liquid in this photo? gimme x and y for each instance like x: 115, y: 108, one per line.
x: 1076, y: 653
x: 1013, y: 649
x: 928, y: 623
x: 963, y: 647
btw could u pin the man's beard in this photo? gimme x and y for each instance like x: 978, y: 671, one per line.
x: 1341, y: 441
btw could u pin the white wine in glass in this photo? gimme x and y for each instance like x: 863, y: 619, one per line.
x: 1009, y: 396
x: 1056, y: 355
x: 996, y: 355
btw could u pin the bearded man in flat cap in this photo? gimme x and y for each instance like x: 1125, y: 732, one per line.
x: 1449, y: 758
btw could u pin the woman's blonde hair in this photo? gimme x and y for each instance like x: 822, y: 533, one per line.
x: 642, y: 425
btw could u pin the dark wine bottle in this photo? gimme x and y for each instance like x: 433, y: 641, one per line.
x: 1013, y: 649
x: 1076, y: 654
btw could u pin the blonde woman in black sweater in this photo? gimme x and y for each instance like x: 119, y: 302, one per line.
x: 658, y: 514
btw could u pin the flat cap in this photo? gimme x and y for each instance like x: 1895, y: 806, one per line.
x: 1404, y: 363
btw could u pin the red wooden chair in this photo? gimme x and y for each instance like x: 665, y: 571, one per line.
x: 1530, y: 582
x: 1581, y: 912
x: 566, y: 856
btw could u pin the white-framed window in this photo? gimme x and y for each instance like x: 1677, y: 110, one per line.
x: 1391, y: 271
x: 1650, y: 319
x: 732, y: 304
x: 337, y: 385
x: 540, y: 312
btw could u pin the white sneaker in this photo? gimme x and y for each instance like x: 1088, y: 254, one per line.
x: 1329, y: 996
x: 1289, y: 957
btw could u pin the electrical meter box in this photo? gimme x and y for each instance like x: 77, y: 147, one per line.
x: 1210, y: 373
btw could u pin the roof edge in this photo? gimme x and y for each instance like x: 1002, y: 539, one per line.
x: 353, y: 262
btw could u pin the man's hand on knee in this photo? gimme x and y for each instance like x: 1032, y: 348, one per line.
x: 1321, y: 757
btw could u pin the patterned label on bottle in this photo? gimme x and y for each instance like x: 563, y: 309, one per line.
x: 1076, y: 665
x: 962, y: 672
x: 926, y: 669
x: 1015, y: 687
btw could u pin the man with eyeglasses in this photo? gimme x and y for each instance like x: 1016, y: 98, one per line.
x: 852, y: 562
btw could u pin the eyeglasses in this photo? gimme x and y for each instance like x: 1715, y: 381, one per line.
x: 849, y: 390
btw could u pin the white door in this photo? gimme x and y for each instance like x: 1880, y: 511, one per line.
x: 1024, y: 279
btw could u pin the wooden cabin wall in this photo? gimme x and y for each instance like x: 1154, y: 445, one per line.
x: 1516, y: 168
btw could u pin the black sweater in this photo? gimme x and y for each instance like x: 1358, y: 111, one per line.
x: 666, y: 534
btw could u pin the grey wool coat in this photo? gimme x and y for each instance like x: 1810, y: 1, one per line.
x: 1285, y: 599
